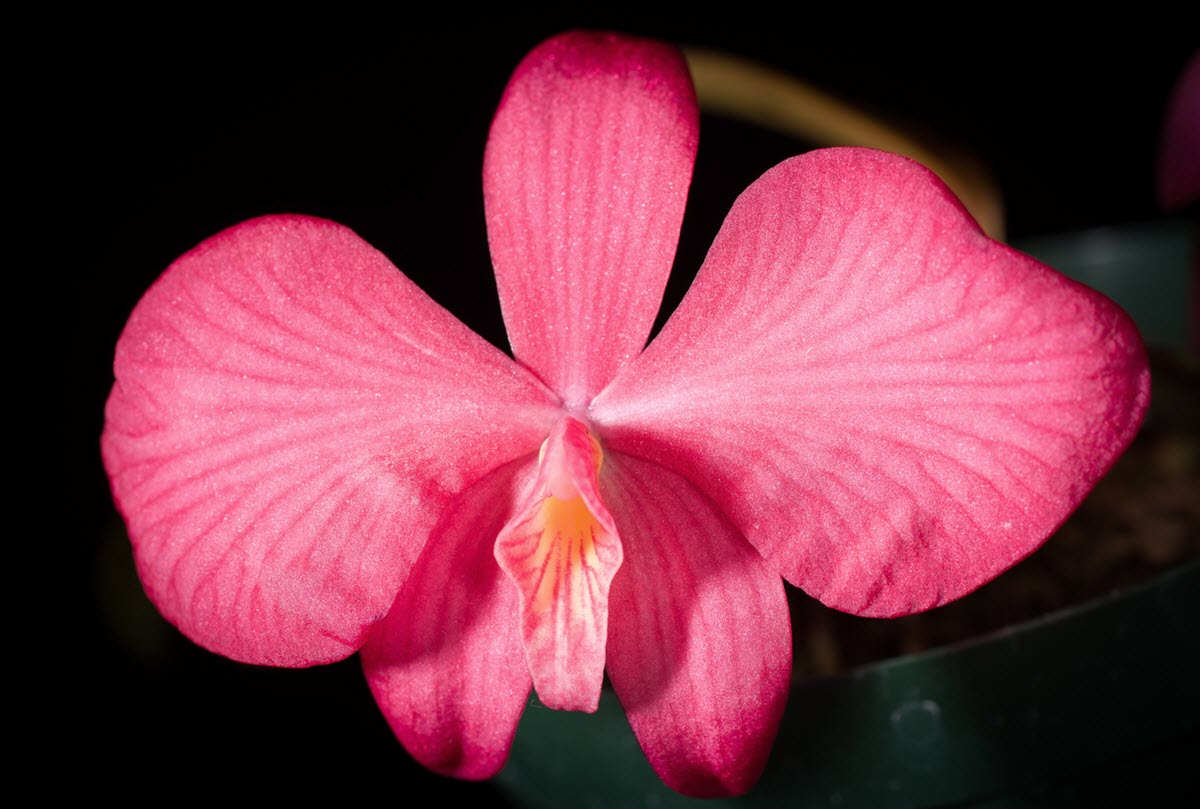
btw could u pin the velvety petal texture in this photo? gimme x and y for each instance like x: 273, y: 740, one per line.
x: 585, y: 177
x: 699, y: 644
x: 290, y: 418
x: 561, y: 550
x: 446, y: 666
x: 890, y: 406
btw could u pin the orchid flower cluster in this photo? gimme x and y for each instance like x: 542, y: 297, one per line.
x: 861, y: 394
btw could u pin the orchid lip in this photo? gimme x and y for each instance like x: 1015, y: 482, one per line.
x: 561, y: 550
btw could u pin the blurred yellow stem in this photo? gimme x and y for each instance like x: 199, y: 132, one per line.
x: 748, y: 91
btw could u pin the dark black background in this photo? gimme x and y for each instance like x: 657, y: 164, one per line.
x: 160, y: 141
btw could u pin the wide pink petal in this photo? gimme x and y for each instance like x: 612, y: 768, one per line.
x: 699, y: 640
x: 290, y: 416
x: 585, y: 178
x: 446, y: 666
x: 892, y: 407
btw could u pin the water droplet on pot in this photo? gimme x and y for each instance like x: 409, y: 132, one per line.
x: 917, y: 722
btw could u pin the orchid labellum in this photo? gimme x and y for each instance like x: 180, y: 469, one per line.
x: 860, y: 394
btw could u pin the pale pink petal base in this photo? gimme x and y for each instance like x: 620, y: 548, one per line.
x: 890, y: 406
x: 446, y: 665
x: 585, y: 177
x: 290, y: 417
x: 700, y: 644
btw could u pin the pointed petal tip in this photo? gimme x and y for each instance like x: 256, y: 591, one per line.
x: 655, y: 64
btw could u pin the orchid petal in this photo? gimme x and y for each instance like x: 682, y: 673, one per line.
x: 585, y: 178
x: 446, y: 665
x: 890, y: 406
x: 700, y: 645
x: 290, y: 416
x: 561, y: 550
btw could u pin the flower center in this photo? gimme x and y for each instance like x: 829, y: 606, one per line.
x: 561, y: 550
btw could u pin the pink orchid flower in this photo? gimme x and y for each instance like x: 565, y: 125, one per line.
x: 860, y: 394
